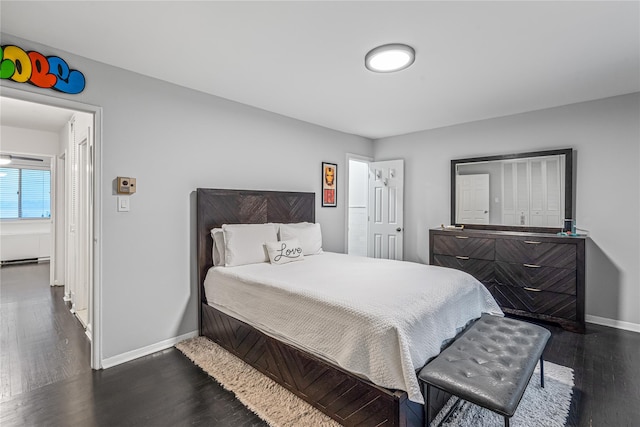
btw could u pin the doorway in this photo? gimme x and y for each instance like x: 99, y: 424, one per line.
x: 75, y: 210
x: 375, y: 217
x: 358, y: 207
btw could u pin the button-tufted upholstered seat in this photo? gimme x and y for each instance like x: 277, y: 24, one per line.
x: 490, y: 364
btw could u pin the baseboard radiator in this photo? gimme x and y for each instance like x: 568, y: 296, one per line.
x: 20, y: 248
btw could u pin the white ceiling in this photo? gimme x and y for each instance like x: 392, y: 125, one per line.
x: 474, y: 60
x: 22, y: 114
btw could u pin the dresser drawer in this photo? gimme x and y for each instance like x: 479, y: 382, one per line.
x: 560, y: 280
x: 537, y: 253
x: 535, y: 275
x: 464, y: 246
x: 562, y: 306
x: 478, y: 268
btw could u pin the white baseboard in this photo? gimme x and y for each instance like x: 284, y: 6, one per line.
x: 145, y: 351
x: 628, y: 326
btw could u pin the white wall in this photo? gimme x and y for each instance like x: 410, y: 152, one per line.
x: 605, y: 135
x: 28, y: 239
x: 358, y: 207
x: 28, y: 141
x: 174, y: 140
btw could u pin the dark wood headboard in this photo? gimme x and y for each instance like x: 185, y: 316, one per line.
x: 216, y: 207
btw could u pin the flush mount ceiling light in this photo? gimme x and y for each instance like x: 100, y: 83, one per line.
x: 389, y: 58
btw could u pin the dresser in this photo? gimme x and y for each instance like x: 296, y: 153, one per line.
x: 535, y: 275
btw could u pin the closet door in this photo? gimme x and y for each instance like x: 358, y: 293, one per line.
x: 546, y: 199
x: 538, y: 193
x: 554, y: 212
x: 515, y: 193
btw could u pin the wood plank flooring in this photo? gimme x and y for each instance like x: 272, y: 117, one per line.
x: 45, y: 378
x: 41, y: 341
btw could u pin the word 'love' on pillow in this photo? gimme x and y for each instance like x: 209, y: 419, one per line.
x: 284, y: 251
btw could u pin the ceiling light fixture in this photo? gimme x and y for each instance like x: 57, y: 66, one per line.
x: 389, y: 58
x: 6, y: 159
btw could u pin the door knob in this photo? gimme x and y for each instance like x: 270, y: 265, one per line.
x: 398, y: 229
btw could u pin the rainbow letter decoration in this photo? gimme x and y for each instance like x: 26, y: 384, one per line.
x: 39, y: 70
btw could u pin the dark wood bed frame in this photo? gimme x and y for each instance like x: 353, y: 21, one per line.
x: 345, y: 397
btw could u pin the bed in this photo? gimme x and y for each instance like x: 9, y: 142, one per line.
x: 334, y: 384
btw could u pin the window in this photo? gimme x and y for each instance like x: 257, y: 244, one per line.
x: 25, y: 193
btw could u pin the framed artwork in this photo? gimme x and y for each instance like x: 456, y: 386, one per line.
x: 329, y: 184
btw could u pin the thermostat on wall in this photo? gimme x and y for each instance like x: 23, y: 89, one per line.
x: 126, y: 185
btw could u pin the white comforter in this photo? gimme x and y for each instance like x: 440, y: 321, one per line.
x: 379, y: 319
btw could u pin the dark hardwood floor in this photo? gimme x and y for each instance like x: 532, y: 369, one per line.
x: 45, y: 378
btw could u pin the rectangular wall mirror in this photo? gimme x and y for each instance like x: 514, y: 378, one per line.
x: 527, y: 191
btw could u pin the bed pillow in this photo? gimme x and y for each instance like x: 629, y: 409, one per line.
x: 308, y: 234
x: 244, y: 243
x: 218, y: 246
x: 284, y: 251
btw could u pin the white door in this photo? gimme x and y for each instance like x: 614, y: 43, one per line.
x: 546, y: 200
x: 473, y: 205
x: 84, y: 234
x: 386, y: 220
x: 79, y: 214
x: 71, y: 215
x: 81, y: 302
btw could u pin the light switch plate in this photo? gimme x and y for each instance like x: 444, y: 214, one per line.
x: 123, y: 204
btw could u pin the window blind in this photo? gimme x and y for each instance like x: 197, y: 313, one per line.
x: 25, y: 193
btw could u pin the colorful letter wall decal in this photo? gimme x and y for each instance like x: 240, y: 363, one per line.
x: 39, y: 70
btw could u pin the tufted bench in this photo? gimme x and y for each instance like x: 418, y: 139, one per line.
x: 489, y: 365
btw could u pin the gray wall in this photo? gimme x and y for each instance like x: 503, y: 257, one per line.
x: 605, y: 135
x: 174, y: 140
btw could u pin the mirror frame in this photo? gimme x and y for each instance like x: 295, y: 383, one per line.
x: 568, y: 189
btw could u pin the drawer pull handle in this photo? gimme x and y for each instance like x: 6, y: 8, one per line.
x: 531, y: 265
x: 532, y: 242
x: 532, y: 289
x: 462, y: 257
x: 462, y: 237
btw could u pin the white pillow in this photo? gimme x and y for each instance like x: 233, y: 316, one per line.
x: 284, y: 251
x: 218, y: 246
x: 309, y: 235
x: 244, y: 243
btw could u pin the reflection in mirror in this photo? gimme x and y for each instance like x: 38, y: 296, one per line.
x: 527, y: 190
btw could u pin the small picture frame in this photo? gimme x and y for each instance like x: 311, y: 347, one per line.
x: 329, y: 185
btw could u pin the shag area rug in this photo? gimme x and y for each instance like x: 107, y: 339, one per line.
x: 539, y: 407
x: 548, y: 407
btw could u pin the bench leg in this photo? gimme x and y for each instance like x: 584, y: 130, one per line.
x: 426, y: 392
x: 506, y: 421
x: 541, y: 372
